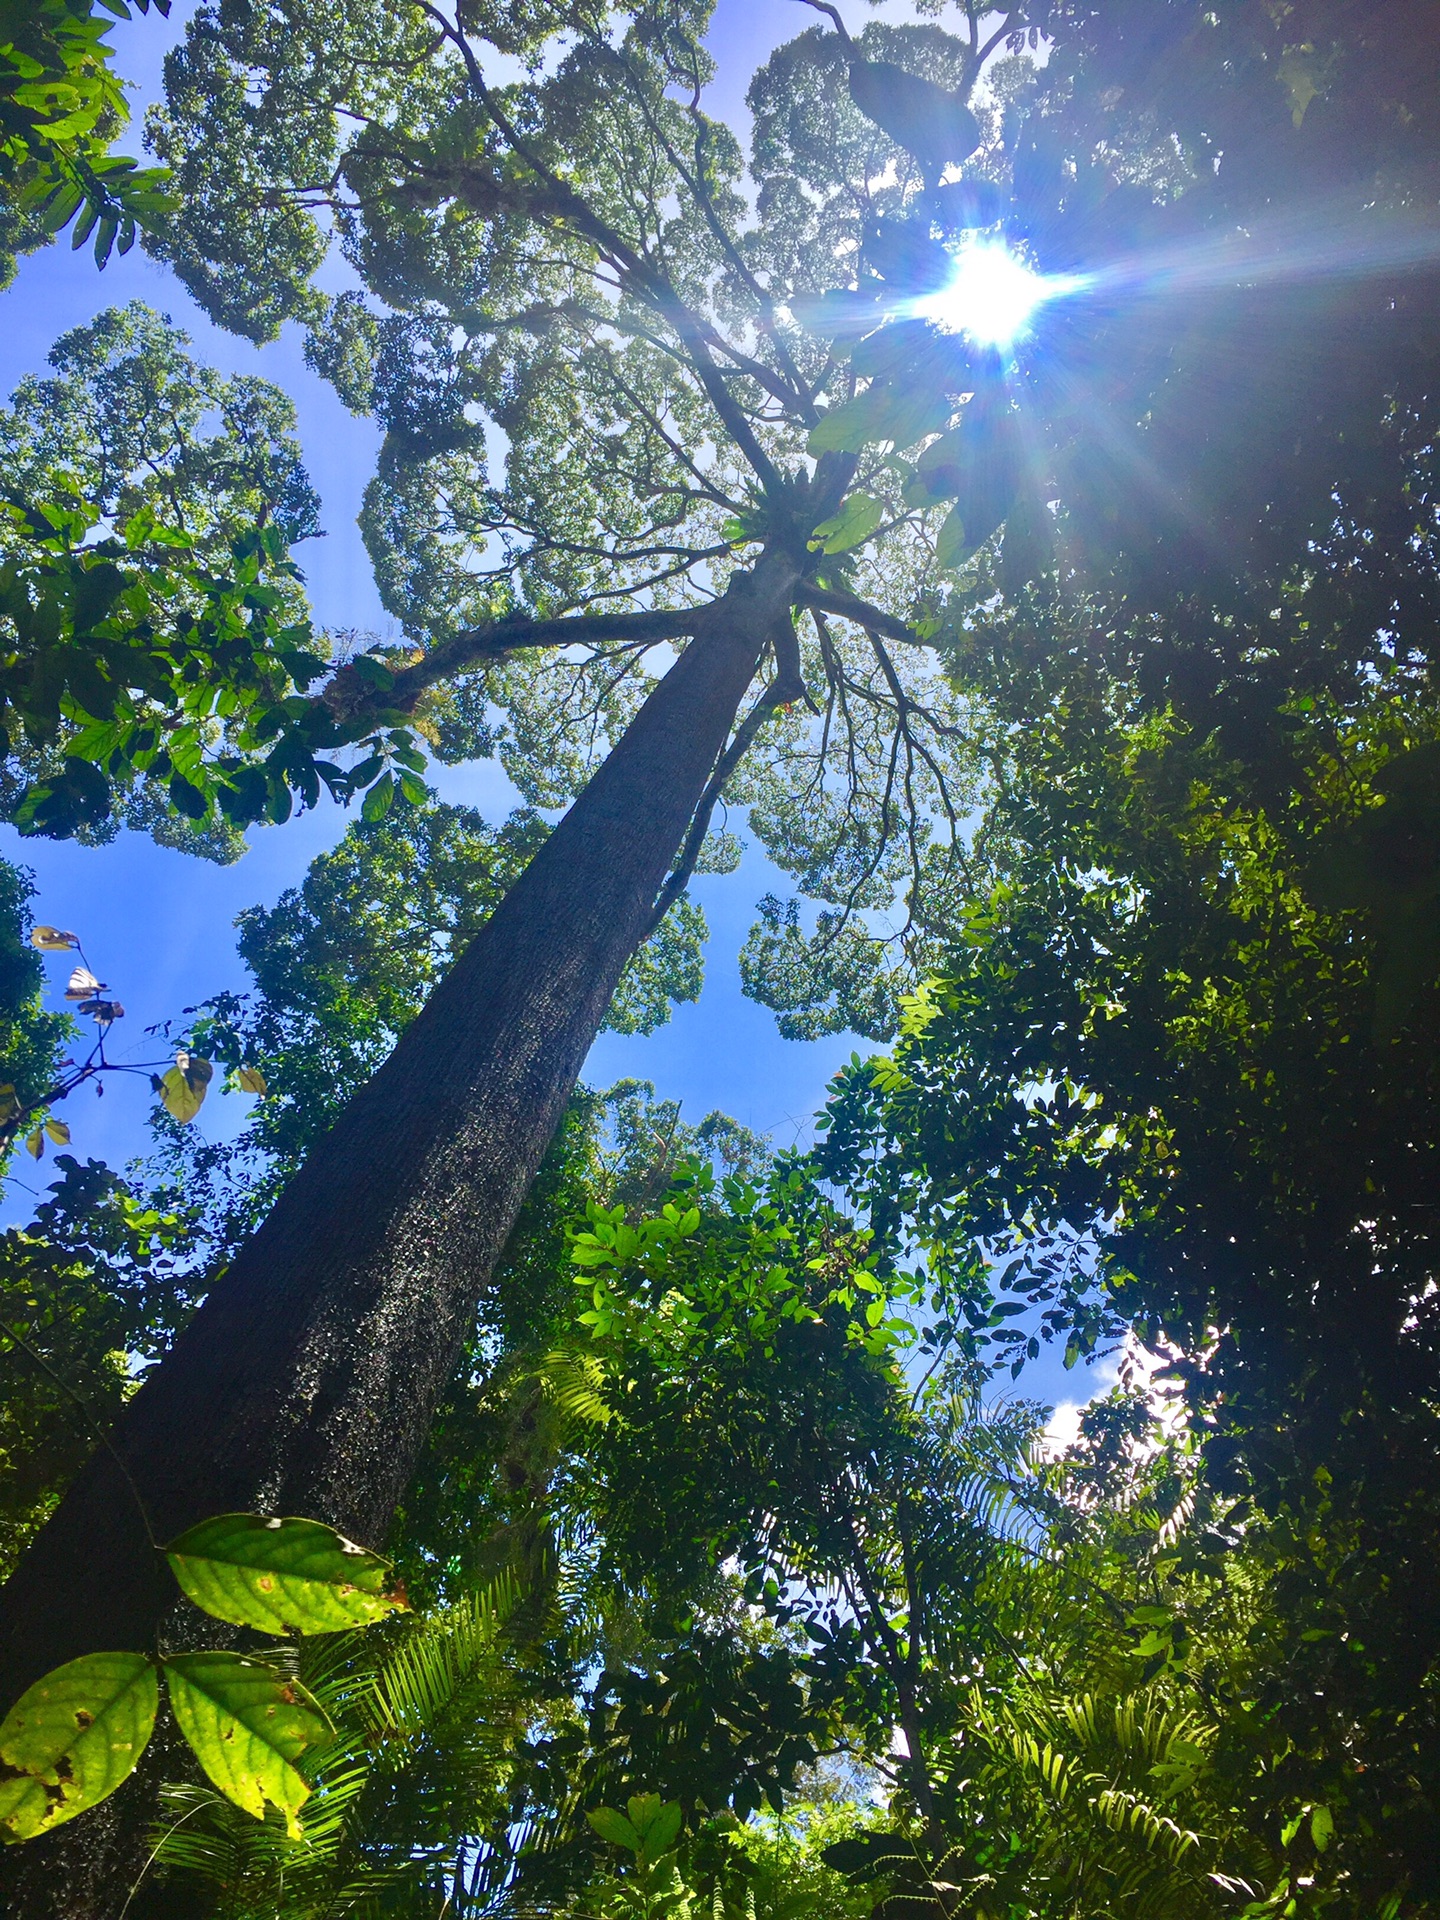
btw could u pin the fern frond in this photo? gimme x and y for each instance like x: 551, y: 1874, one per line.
x: 575, y: 1383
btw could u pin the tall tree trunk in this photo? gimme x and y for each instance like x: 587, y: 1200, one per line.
x: 307, y: 1381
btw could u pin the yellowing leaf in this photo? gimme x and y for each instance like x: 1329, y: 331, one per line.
x: 52, y: 939
x: 282, y: 1576
x: 182, y: 1089
x: 59, y: 1132
x: 246, y: 1723
x: 35, y: 1143
x: 72, y: 1738
x: 250, y: 1080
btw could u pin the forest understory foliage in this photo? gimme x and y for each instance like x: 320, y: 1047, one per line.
x: 1092, y: 712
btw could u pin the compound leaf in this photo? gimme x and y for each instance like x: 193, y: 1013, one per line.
x: 612, y: 1825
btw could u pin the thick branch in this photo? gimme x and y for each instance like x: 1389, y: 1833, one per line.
x: 849, y: 606
x: 350, y: 694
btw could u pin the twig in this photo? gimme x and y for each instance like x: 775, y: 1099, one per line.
x: 99, y: 1432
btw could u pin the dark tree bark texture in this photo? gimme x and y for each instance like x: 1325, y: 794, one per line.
x: 307, y: 1381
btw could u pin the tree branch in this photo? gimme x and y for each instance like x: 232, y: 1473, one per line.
x: 849, y: 606
x: 350, y: 693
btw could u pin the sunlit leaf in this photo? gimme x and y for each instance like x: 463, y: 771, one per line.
x: 851, y: 527
x: 52, y: 939
x: 850, y: 427
x: 247, y: 1722
x: 182, y: 1089
x: 656, y: 1821
x: 282, y: 1576
x: 250, y: 1080
x: 72, y: 1738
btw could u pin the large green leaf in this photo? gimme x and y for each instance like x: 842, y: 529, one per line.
x: 967, y: 526
x: 282, y: 1576
x: 247, y: 1723
x: 612, y: 1825
x: 851, y: 527
x: 850, y: 427
x: 72, y: 1738
x: 657, y: 1821
x: 979, y: 467
x: 899, y: 413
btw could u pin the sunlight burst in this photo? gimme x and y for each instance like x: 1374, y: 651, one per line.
x: 992, y: 294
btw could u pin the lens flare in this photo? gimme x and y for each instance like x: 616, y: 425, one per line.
x: 991, y: 295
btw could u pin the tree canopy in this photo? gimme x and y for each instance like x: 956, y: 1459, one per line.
x: 61, y: 105
x: 1080, y: 674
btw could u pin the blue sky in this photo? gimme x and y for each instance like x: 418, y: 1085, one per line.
x: 158, y: 925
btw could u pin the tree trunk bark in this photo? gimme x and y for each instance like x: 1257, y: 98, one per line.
x: 307, y: 1381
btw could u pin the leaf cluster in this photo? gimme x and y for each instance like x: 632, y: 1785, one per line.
x: 61, y: 105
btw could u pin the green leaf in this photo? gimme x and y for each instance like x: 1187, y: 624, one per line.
x: 282, y: 1576
x: 247, y: 1722
x: 182, y: 1089
x: 187, y: 798
x: 901, y: 414
x: 1322, y: 1828
x: 850, y: 427
x: 59, y: 211
x: 612, y: 1825
x: 379, y: 800
x: 72, y: 1738
x: 913, y: 412
x: 851, y: 527
x: 966, y: 528
x: 656, y: 1821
